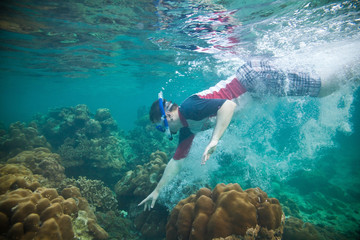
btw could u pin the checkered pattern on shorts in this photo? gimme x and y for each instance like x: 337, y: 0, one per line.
x: 261, y: 78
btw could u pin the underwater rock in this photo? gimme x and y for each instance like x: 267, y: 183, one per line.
x: 226, y: 211
x: 141, y: 181
x: 18, y: 138
x: 43, y: 162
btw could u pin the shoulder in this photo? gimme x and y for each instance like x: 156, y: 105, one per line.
x: 189, y: 101
x: 189, y: 106
x: 197, y: 108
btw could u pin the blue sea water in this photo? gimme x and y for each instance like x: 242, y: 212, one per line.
x: 120, y: 54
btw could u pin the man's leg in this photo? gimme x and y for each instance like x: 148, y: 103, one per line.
x: 333, y: 79
x: 329, y: 84
x: 261, y: 78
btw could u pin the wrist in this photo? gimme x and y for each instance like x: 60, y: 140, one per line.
x: 156, y: 190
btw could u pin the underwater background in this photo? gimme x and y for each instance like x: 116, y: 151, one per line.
x: 78, y: 78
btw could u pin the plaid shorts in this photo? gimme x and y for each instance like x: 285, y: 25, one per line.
x: 261, y: 78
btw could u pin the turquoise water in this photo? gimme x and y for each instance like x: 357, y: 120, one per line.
x: 120, y: 54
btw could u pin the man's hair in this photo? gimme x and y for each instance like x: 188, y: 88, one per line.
x: 155, y: 112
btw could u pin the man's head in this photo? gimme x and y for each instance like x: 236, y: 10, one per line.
x: 155, y: 112
x: 164, y: 115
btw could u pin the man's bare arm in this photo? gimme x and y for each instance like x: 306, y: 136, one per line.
x: 223, y: 118
x: 172, y: 168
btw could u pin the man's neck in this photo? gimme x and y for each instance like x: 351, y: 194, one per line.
x: 182, y: 119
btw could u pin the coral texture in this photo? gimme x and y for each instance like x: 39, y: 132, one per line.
x: 95, y: 191
x: 296, y: 229
x: 151, y: 224
x: 18, y: 138
x: 25, y: 210
x: 85, y: 141
x: 43, y: 162
x: 71, y: 122
x: 149, y: 138
x: 144, y: 178
x: 13, y: 176
x: 118, y: 225
x: 29, y: 211
x: 226, y: 211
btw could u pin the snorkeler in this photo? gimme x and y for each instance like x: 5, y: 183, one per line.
x: 215, y: 107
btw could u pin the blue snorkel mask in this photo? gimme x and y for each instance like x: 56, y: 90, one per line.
x: 164, y: 126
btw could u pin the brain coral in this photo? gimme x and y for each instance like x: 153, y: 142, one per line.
x: 36, y: 215
x: 224, y: 212
x: 14, y: 176
x: 29, y: 211
x: 43, y: 162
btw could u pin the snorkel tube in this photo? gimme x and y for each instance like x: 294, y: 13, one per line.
x: 163, y: 118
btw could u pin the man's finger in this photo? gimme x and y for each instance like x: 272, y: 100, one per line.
x: 142, y: 202
x: 153, y: 203
x: 203, y: 160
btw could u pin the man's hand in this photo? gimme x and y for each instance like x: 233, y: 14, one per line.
x: 223, y: 118
x: 208, y: 151
x: 150, y: 200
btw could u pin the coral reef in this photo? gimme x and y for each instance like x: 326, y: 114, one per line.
x: 118, y: 225
x: 85, y: 223
x: 295, y: 229
x: 151, y: 224
x: 312, y: 197
x: 85, y: 141
x: 70, y: 122
x: 136, y: 185
x: 150, y: 139
x: 95, y: 191
x: 29, y: 211
x: 24, y: 210
x: 103, y: 152
x: 43, y: 162
x: 18, y: 138
x: 13, y: 176
x: 226, y: 211
x: 141, y: 181
x: 302, y: 179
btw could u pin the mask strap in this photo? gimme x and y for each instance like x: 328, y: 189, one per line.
x: 163, y: 116
x: 168, y: 106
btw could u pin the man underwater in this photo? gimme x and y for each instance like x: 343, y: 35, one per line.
x: 215, y: 108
